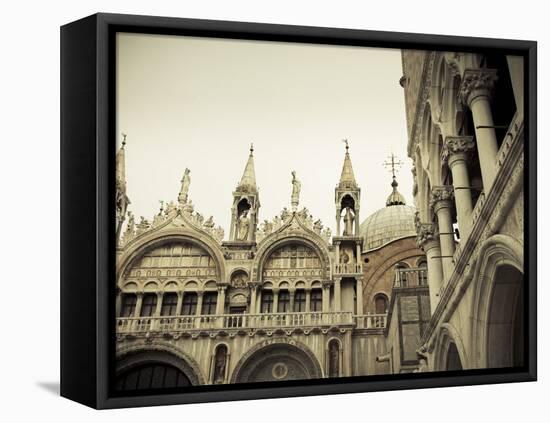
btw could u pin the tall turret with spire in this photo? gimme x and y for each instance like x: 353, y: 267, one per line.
x: 347, y: 197
x: 246, y: 204
x: 122, y: 201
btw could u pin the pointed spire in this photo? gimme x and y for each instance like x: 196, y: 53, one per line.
x: 248, y: 180
x: 121, y: 162
x: 347, y: 179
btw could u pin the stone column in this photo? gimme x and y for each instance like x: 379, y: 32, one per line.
x: 291, y: 293
x: 428, y: 240
x: 139, y: 301
x: 455, y: 152
x: 275, y: 299
x: 338, y: 218
x: 199, y: 303
x: 159, y: 305
x: 326, y: 296
x: 220, y: 301
x: 359, y: 296
x: 337, y: 294
x: 475, y: 90
x: 337, y: 250
x: 253, y: 296
x: 118, y: 304
x: 308, y: 300
x: 441, y: 202
x: 180, y: 301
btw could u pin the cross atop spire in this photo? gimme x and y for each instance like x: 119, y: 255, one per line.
x: 248, y: 180
x: 394, y: 163
x: 347, y: 178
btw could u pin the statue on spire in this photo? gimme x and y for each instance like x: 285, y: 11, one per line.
x: 184, y: 192
x: 296, y: 187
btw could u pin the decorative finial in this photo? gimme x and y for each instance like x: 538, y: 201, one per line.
x: 345, y: 141
x: 251, y: 148
x: 123, y: 139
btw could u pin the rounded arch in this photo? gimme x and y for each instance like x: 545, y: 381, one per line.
x: 381, y: 302
x: 139, y: 246
x: 159, y: 352
x: 314, y: 243
x: 498, y: 301
x: 448, y: 341
x: 277, y: 359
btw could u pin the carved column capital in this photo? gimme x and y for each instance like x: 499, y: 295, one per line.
x: 326, y: 284
x: 477, y: 82
x: 426, y: 233
x: 456, y: 146
x: 441, y: 197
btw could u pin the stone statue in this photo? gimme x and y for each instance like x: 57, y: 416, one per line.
x: 188, y: 208
x: 349, y: 218
x: 199, y: 218
x: 243, y: 226
x: 218, y: 233
x: 185, y: 182
x: 285, y: 214
x: 267, y: 227
x: 219, y: 365
x: 296, y: 187
x: 170, y: 207
x: 131, y: 222
x: 318, y: 226
x: 209, y: 224
x: 334, y: 360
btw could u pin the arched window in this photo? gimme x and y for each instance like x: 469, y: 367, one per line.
x: 189, y: 305
x: 380, y: 304
x: 316, y: 300
x: 128, y: 305
x: 148, y: 305
x: 267, y: 301
x: 151, y: 376
x: 284, y: 302
x: 300, y: 301
x: 169, y: 304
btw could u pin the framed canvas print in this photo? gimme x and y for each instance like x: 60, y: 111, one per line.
x: 253, y: 211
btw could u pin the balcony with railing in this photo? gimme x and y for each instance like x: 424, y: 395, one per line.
x: 229, y: 322
x: 411, y: 277
x: 348, y: 269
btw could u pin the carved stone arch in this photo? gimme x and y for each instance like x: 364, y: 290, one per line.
x: 499, y: 251
x: 249, y: 361
x: 141, y: 245
x: 313, y: 242
x: 448, y: 335
x: 137, y: 354
x: 171, y: 281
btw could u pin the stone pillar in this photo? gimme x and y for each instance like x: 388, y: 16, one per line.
x: 359, y: 296
x: 337, y: 294
x: 428, y: 240
x: 199, y: 303
x: 220, y: 301
x: 275, y: 300
x: 455, y: 152
x: 118, y: 304
x: 441, y: 201
x: 308, y: 300
x: 338, y: 218
x: 337, y: 249
x: 253, y: 297
x: 475, y: 91
x: 259, y: 301
x: 515, y: 66
x: 291, y: 293
x: 139, y: 301
x: 158, y: 308
x: 326, y: 296
x: 180, y: 301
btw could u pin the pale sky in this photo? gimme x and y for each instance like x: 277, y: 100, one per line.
x: 199, y: 103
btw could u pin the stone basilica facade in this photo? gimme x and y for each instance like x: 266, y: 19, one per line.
x: 278, y: 300
x: 438, y: 286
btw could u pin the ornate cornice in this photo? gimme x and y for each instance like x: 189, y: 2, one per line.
x: 477, y: 82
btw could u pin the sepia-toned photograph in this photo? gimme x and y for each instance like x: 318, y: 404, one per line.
x: 290, y: 211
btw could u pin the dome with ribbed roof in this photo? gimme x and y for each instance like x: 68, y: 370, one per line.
x: 395, y: 221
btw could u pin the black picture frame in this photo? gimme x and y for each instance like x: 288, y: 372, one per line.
x: 87, y: 206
